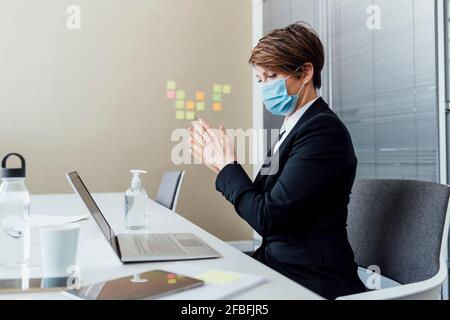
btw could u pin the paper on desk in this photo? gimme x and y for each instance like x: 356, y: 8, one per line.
x: 218, y: 277
x: 219, y: 284
x: 40, y: 220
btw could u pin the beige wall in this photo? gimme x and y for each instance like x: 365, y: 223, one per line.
x: 94, y: 99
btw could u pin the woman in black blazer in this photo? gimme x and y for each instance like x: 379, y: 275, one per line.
x: 298, y: 202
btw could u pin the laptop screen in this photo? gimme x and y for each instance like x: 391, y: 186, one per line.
x: 80, y: 188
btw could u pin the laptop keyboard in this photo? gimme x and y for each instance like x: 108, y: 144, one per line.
x: 158, y: 245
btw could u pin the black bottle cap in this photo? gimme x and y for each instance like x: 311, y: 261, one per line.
x: 13, y: 172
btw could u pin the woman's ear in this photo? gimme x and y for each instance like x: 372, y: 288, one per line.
x: 307, y: 72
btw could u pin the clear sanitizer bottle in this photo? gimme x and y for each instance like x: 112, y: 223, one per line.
x: 136, y: 203
x: 14, y: 216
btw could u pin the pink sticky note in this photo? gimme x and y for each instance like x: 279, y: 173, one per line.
x: 171, y: 94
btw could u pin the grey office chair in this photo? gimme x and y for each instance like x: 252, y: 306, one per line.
x: 401, y: 227
x: 169, y: 189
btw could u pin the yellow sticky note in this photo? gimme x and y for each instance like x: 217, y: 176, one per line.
x: 181, y: 95
x: 190, y: 105
x: 200, y: 106
x: 179, y: 104
x: 217, y: 88
x: 217, y: 106
x: 226, y: 88
x: 218, y: 277
x: 179, y: 115
x: 190, y: 115
x: 171, y: 85
x: 200, y: 96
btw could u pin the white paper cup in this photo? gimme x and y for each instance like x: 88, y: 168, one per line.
x: 58, y: 248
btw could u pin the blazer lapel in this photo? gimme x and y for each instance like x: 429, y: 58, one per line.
x: 317, y: 107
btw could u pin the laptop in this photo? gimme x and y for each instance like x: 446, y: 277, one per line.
x: 141, y: 247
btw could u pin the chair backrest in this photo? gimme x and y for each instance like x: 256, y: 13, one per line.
x: 397, y: 225
x: 169, y: 189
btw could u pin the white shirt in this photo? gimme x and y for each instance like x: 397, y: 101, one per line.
x: 289, y: 123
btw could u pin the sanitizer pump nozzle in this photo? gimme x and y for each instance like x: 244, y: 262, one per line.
x: 136, y: 203
x: 136, y: 181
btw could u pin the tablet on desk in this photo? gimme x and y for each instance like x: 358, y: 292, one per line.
x: 25, y: 284
x: 148, y: 285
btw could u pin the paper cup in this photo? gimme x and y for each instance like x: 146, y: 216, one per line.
x: 58, y: 248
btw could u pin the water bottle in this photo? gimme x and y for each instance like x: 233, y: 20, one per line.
x: 136, y: 203
x: 14, y: 216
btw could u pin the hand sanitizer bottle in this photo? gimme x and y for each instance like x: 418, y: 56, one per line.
x: 136, y: 203
x: 14, y: 216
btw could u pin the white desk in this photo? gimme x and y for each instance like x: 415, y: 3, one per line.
x: 98, y: 262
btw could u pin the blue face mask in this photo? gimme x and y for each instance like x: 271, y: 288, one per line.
x: 276, y: 98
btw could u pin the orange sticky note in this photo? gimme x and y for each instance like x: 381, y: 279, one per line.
x: 217, y: 106
x: 190, y: 105
x: 200, y: 96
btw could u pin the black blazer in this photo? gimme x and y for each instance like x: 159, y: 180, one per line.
x: 300, y: 208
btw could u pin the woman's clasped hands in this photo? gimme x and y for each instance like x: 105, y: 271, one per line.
x: 211, y: 147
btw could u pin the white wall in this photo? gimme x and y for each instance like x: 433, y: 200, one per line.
x: 94, y: 99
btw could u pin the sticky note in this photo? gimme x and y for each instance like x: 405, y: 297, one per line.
x: 217, y: 97
x: 172, y: 281
x: 218, y: 277
x: 181, y: 95
x: 200, y: 96
x: 179, y: 115
x: 226, y: 89
x: 217, y: 106
x: 190, y: 115
x: 179, y: 104
x: 217, y: 88
x: 200, y: 106
x: 190, y: 105
x: 171, y: 85
x: 170, y: 94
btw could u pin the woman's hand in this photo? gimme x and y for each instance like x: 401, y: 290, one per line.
x: 212, y: 147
